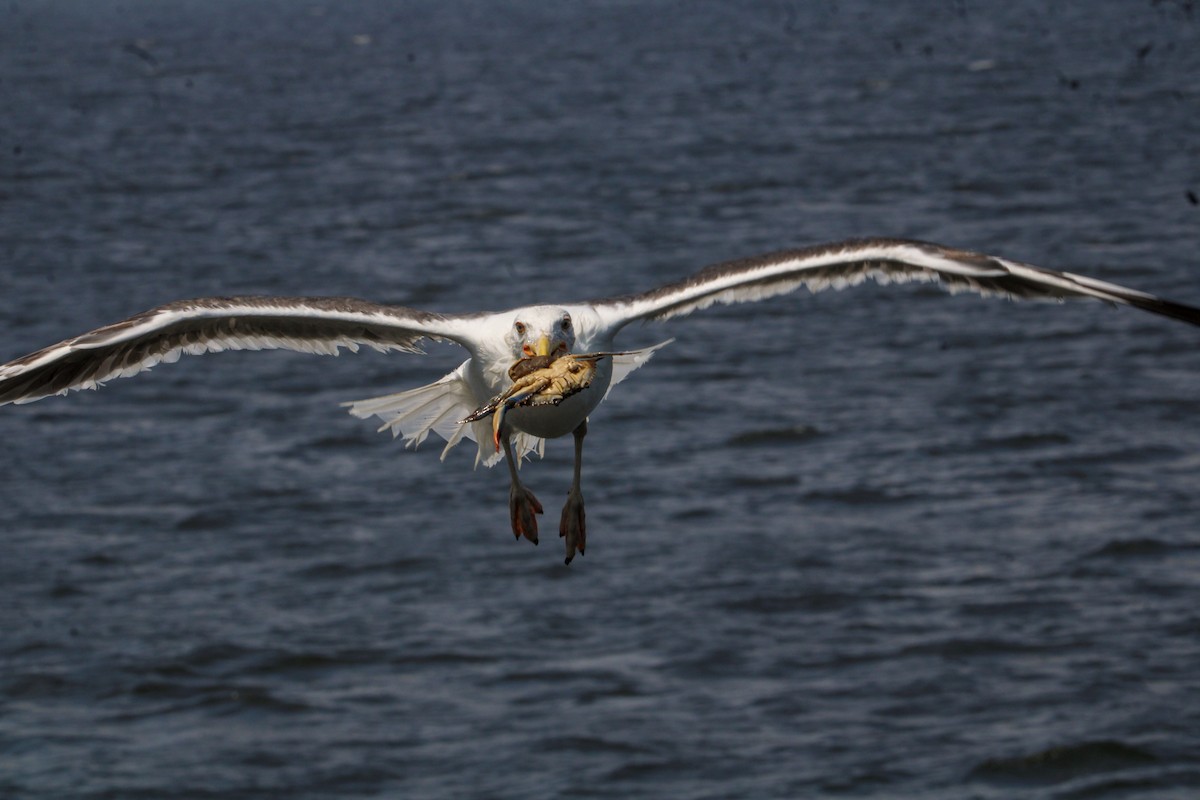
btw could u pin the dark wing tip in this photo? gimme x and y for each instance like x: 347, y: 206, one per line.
x: 1167, y: 308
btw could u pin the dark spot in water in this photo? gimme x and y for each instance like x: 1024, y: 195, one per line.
x: 1058, y: 764
x: 1132, y: 548
x: 62, y: 590
x: 204, y: 520
x: 770, y: 436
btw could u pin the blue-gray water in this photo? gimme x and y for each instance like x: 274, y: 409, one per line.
x: 878, y: 543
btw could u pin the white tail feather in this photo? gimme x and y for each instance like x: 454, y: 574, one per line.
x: 438, y: 408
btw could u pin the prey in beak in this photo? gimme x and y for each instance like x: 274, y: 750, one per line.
x: 539, y: 381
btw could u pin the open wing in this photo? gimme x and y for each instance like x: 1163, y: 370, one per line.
x: 842, y: 264
x: 212, y: 324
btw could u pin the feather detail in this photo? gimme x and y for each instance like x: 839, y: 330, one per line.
x: 844, y: 264
x: 438, y: 408
x: 212, y: 325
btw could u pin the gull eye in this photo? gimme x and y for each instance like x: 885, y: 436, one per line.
x: 566, y: 323
x: 520, y: 328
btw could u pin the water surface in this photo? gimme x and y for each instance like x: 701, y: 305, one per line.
x: 875, y: 543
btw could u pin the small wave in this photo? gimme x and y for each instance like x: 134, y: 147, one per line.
x: 1018, y: 442
x: 648, y: 768
x: 792, y: 434
x: 694, y: 513
x: 206, y: 520
x: 763, y: 481
x: 211, y: 654
x: 339, y: 570
x: 274, y: 662
x: 62, y: 590
x: 441, y: 658
x: 859, y: 495
x: 1027, y: 607
x: 1025, y: 441
x: 587, y: 745
x: 1139, y: 454
x: 100, y: 560
x: 30, y: 685
x: 799, y: 603
x: 1141, y: 785
x: 174, y: 697
x: 968, y: 648
x: 238, y: 698
x: 1059, y: 764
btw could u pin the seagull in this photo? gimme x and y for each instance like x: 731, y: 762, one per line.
x: 495, y: 341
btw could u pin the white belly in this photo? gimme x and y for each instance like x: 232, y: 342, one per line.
x: 550, y: 421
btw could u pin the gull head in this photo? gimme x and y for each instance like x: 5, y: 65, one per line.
x: 541, y: 331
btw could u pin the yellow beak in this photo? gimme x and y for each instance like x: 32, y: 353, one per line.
x: 542, y: 347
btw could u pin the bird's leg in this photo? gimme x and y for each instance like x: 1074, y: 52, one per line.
x: 572, y: 526
x: 522, y: 505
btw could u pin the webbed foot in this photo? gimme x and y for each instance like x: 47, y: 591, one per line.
x: 522, y: 508
x: 572, y: 526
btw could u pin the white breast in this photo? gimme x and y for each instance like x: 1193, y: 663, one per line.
x: 550, y: 421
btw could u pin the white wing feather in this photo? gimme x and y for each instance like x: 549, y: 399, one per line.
x: 844, y: 264
x: 215, y: 324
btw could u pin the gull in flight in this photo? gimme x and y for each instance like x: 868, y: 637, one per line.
x: 495, y: 341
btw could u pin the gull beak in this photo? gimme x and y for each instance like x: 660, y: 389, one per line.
x: 544, y: 346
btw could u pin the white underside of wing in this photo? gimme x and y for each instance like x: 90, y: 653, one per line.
x: 627, y: 362
x: 847, y: 264
x: 105, y: 370
x: 439, y: 408
x: 320, y: 347
x: 319, y: 326
x: 926, y: 268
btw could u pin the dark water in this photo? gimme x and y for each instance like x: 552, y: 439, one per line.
x: 871, y: 544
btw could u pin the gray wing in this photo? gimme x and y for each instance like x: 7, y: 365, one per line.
x: 842, y: 264
x: 212, y: 324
